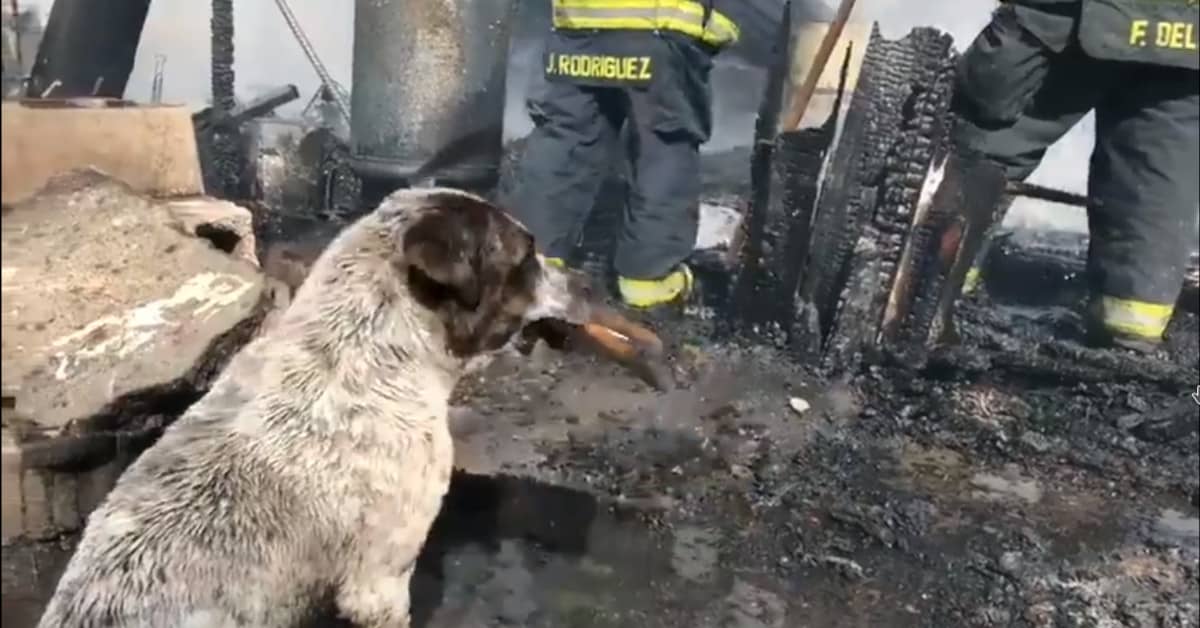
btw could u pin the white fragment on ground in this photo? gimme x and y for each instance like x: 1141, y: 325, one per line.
x: 798, y: 405
x: 997, y: 487
x: 718, y: 223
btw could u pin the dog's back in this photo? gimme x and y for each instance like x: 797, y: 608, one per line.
x: 202, y: 530
x: 314, y: 467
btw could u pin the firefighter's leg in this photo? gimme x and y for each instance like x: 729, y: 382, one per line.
x: 671, y: 119
x: 565, y: 160
x: 1142, y: 219
x: 661, y: 218
x: 1013, y: 99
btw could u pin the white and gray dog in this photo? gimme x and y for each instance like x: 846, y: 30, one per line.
x: 317, y: 463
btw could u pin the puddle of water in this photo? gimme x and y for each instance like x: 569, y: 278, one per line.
x: 1070, y: 519
x: 513, y: 552
x: 1175, y: 528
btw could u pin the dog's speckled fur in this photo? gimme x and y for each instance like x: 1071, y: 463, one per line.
x: 315, y: 466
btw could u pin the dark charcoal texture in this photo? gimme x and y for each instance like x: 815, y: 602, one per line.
x: 750, y: 282
x: 896, y: 127
x: 841, y: 283
x: 220, y: 147
x: 921, y: 143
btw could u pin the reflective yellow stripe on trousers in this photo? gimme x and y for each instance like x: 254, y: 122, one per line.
x: 1135, y: 318
x: 653, y: 292
x: 677, y: 15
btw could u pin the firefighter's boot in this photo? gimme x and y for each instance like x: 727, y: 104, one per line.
x: 1127, y: 323
x: 974, y: 278
x: 675, y: 288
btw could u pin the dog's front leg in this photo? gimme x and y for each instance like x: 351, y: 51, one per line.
x: 375, y: 597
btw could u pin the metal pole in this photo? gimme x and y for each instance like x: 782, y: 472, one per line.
x: 1041, y: 192
x: 156, y: 86
x: 311, y: 53
x: 16, y: 14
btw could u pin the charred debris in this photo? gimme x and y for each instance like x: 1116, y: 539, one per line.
x: 805, y: 292
x: 821, y: 268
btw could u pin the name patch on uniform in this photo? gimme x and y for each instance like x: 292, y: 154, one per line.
x: 600, y: 68
x: 1169, y: 35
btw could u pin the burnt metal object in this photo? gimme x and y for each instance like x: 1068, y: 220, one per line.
x: 427, y: 100
x: 215, y: 128
x: 87, y: 49
x: 755, y: 242
x: 209, y: 118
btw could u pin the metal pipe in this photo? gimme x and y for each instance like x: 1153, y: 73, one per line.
x: 16, y: 20
x: 260, y: 106
x: 156, y: 85
x: 1041, y: 192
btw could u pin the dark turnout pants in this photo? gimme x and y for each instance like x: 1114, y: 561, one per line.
x: 569, y: 154
x: 1016, y: 97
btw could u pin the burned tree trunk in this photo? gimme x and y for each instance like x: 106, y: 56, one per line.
x: 785, y: 173
x: 848, y: 199
x: 896, y: 127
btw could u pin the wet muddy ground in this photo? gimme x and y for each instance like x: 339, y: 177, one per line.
x: 967, y: 498
x: 1018, y: 480
x: 892, y: 500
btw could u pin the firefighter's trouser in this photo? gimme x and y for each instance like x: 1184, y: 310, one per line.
x: 1015, y: 97
x: 576, y: 128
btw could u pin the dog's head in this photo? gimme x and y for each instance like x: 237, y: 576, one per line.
x: 476, y: 267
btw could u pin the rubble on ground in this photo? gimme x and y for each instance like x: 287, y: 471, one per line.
x: 1004, y: 484
x: 119, y: 310
x: 1014, y: 478
x: 898, y: 498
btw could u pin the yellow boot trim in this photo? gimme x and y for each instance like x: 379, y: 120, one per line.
x: 556, y: 262
x: 1136, y: 319
x: 645, y: 293
x: 972, y: 281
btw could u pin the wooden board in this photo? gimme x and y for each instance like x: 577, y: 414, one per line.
x: 150, y: 148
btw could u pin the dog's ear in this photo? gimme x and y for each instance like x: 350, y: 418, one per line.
x: 443, y: 251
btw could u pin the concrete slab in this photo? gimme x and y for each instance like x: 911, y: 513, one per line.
x: 152, y: 148
x: 104, y: 296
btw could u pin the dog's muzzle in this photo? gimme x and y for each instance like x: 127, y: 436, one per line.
x: 568, y: 314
